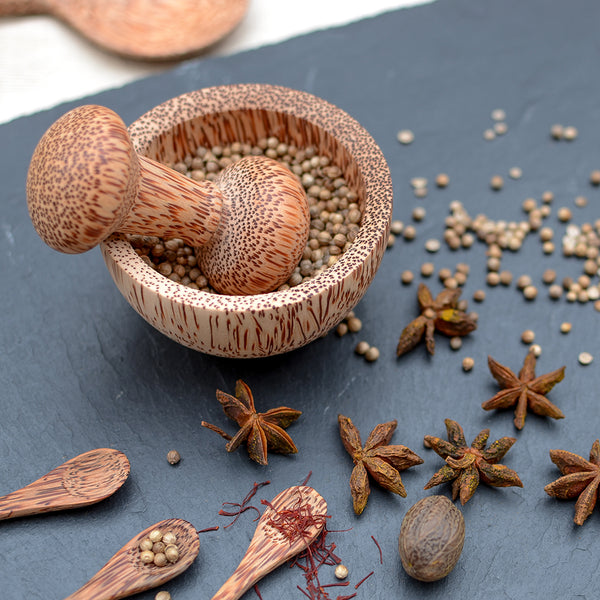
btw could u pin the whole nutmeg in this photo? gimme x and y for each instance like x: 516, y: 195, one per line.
x: 431, y: 538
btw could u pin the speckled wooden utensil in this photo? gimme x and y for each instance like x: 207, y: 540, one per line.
x: 291, y: 522
x: 142, y: 29
x: 85, y: 182
x: 81, y: 481
x: 125, y: 574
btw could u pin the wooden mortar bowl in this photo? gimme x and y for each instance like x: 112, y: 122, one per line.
x: 276, y: 322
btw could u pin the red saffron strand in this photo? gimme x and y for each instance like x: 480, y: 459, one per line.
x: 295, y: 521
x: 303, y: 591
x: 378, y: 548
x: 307, y: 478
x: 242, y: 507
x: 320, y: 552
x: 363, y: 580
x: 207, y: 529
x: 347, y: 597
x: 237, y: 513
x: 338, y: 584
x: 257, y: 592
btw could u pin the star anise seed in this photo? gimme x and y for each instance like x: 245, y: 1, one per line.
x: 441, y: 314
x: 382, y: 461
x: 525, y: 391
x: 580, y: 480
x: 467, y: 466
x: 260, y: 431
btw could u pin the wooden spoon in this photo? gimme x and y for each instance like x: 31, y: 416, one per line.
x: 278, y: 537
x: 142, y: 29
x: 85, y: 181
x: 125, y: 574
x: 81, y: 481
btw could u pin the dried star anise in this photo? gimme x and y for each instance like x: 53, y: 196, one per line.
x: 580, y: 480
x: 525, y: 391
x: 260, y: 431
x: 467, y: 466
x: 440, y: 315
x: 377, y: 458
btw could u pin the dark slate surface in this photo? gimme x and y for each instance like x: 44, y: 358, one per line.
x: 79, y: 369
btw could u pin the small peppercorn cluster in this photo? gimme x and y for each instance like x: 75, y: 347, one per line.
x: 159, y: 549
x: 462, y: 230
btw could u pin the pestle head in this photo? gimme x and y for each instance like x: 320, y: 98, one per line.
x: 82, y: 179
x: 263, y: 231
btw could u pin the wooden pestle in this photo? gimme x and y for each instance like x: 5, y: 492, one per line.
x: 85, y: 182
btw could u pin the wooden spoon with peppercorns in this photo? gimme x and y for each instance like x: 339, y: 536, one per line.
x: 126, y: 573
x: 290, y: 523
x: 81, y: 481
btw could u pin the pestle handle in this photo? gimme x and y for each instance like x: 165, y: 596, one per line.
x: 85, y: 182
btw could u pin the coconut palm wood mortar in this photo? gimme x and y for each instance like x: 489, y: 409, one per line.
x: 258, y: 325
x: 85, y: 182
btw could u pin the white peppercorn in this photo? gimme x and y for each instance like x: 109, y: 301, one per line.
x: 172, y: 553
x: 155, y: 535
x: 372, y: 354
x: 468, y: 363
x: 341, y: 571
x: 361, y: 348
x: 173, y: 457
x: 160, y: 560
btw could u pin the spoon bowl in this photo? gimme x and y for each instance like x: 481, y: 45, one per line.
x: 142, y: 29
x: 81, y: 481
x: 125, y: 574
x: 289, y: 524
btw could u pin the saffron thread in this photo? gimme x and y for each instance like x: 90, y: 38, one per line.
x: 207, y: 529
x: 378, y: 548
x: 363, y: 580
x: 243, y: 506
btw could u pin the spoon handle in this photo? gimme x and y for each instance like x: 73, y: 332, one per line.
x: 33, y: 499
x: 247, y: 574
x: 111, y: 582
x: 12, y: 8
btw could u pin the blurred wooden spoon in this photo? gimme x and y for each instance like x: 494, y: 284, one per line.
x: 125, y: 574
x: 81, y: 481
x: 290, y: 523
x: 142, y: 29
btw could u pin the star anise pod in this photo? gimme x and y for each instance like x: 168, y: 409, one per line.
x: 441, y: 314
x: 382, y: 461
x: 525, y: 391
x: 260, y: 431
x: 467, y: 466
x: 580, y: 480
